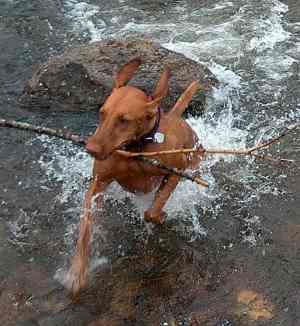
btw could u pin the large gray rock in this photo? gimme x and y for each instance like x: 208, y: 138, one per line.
x: 81, y: 78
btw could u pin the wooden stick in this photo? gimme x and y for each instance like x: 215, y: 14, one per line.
x: 202, y: 151
x: 274, y: 140
x: 185, y: 175
x: 271, y: 159
x: 80, y: 141
x: 248, y: 152
x: 172, y: 151
x: 66, y: 135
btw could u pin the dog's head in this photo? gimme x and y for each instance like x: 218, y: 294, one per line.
x: 127, y: 114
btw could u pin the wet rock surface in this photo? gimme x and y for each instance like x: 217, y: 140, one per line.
x: 82, y: 78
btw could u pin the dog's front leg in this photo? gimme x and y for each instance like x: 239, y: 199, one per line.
x: 155, y: 213
x: 77, y: 275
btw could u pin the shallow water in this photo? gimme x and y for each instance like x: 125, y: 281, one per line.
x: 242, y: 234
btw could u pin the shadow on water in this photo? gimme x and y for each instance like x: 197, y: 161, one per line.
x: 245, y: 271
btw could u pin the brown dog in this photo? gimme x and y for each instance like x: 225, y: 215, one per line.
x: 133, y: 121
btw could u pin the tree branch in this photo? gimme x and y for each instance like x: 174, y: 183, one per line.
x: 66, y: 135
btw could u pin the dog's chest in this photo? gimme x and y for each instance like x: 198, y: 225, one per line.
x: 138, y: 177
x: 136, y: 184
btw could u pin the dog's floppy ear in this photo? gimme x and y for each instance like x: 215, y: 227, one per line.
x: 151, y: 107
x: 127, y: 72
x: 162, y: 87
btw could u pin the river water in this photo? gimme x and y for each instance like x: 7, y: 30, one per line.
x: 228, y: 255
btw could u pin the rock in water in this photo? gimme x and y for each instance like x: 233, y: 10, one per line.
x: 81, y: 78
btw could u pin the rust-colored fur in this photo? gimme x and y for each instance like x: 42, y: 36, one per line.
x: 126, y: 116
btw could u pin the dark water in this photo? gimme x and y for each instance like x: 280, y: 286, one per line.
x: 228, y: 256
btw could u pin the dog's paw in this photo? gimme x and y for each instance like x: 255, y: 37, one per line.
x: 155, y: 217
x: 76, y: 278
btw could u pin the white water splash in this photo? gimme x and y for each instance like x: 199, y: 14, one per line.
x: 269, y: 30
x: 67, y: 164
x: 61, y: 275
x: 82, y: 15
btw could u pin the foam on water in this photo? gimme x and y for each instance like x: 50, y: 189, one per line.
x: 66, y: 164
x: 269, y: 30
x: 82, y: 14
x: 267, y: 35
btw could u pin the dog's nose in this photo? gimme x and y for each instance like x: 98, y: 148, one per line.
x: 92, y: 148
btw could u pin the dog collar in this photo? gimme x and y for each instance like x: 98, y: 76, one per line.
x: 152, y: 136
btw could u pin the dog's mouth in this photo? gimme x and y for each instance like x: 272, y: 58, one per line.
x: 123, y: 146
x: 102, y: 157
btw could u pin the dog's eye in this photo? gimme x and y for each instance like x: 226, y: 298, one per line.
x: 149, y: 117
x: 123, y: 120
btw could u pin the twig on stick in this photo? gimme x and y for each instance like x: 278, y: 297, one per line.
x: 274, y: 140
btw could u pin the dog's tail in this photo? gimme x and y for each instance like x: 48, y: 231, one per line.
x: 184, y: 100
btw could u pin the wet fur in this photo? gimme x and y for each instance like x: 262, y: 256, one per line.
x: 127, y: 114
